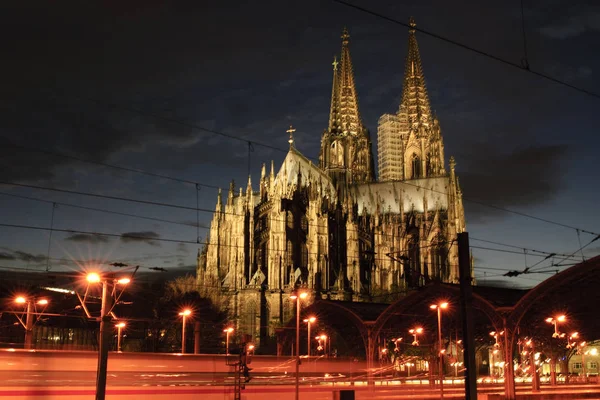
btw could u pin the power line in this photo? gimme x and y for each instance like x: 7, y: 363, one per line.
x: 106, y: 211
x: 175, y: 121
x: 104, y: 164
x: 472, y: 49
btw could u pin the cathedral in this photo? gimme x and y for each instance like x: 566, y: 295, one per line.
x: 337, y: 229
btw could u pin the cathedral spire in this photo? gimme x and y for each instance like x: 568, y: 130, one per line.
x: 415, y: 109
x: 344, y: 116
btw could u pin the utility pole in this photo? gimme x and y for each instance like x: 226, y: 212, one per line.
x: 466, y: 308
x: 105, y: 334
x: 29, y: 325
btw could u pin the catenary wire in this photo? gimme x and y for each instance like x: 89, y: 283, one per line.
x: 469, y: 48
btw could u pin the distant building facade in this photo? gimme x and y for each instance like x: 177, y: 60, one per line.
x: 333, y: 228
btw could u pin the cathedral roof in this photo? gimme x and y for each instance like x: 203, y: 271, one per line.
x: 402, y: 196
x: 415, y: 109
x: 296, y: 165
x: 344, y: 116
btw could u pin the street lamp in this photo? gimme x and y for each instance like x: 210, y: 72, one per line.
x: 119, y: 326
x: 227, y: 332
x: 297, y: 297
x: 29, y: 317
x: 570, y: 342
x: 309, y: 321
x: 439, y: 307
x: 184, y: 314
x: 555, y: 321
x: 415, y: 332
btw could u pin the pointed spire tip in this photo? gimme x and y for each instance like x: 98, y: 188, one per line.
x: 345, y: 36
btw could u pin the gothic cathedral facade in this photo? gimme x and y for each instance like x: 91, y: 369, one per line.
x: 334, y: 228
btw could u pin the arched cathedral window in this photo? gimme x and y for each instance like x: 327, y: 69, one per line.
x: 304, y: 224
x: 439, y: 256
x: 416, y: 166
x: 414, y: 260
x: 429, y: 166
x: 290, y: 220
x: 337, y: 153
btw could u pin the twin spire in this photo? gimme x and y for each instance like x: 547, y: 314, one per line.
x: 415, y: 109
x: 344, y: 116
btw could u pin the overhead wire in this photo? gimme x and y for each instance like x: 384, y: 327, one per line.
x: 470, y: 48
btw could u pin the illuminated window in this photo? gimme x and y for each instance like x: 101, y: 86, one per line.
x: 593, y: 365
x: 577, y: 365
x: 416, y: 166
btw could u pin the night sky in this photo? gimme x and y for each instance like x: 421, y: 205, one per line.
x: 131, y: 83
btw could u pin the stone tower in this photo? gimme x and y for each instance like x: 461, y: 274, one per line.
x: 346, y: 154
x: 409, y: 143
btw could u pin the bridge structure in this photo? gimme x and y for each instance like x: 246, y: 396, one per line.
x: 574, y: 292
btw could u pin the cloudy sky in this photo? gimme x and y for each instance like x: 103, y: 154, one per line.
x: 141, y: 85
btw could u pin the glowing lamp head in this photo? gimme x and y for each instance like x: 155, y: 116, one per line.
x: 43, y: 302
x: 323, y: 337
x: 549, y: 320
x: 301, y: 295
x: 124, y: 281
x: 561, y: 318
x: 93, y: 277
x: 186, y: 312
x: 251, y: 347
x: 20, y: 300
x: 228, y: 330
x: 120, y: 325
x: 310, y: 319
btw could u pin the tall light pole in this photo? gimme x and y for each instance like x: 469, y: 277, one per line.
x: 105, y: 318
x: 415, y: 332
x: 439, y: 308
x: 309, y: 321
x: 297, y: 297
x: 227, y: 332
x: 28, y: 325
x: 555, y: 321
x: 184, y: 314
x: 119, y: 326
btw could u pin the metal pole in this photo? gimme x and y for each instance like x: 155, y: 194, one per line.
x: 583, y: 365
x: 105, y: 319
x: 466, y: 309
x: 227, y: 343
x: 297, y: 347
x: 119, y: 338
x: 183, y: 336
x: 308, y: 351
x: 29, y: 326
x: 441, y: 355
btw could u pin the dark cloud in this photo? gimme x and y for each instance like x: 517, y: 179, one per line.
x: 7, y: 256
x: 29, y: 257
x: 84, y: 237
x: 573, y: 25
x: 143, y: 236
x: 522, y: 178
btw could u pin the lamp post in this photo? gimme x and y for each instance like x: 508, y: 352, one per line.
x: 557, y: 335
x: 439, y: 308
x: 28, y: 325
x: 227, y: 332
x: 119, y: 326
x: 415, y: 332
x: 309, y: 321
x: 555, y: 321
x: 297, y: 297
x: 105, y: 318
x: 184, y: 314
